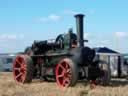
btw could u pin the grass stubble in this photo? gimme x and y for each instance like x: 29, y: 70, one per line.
x: 8, y: 87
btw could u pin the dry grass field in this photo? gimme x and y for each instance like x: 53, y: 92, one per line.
x: 40, y: 88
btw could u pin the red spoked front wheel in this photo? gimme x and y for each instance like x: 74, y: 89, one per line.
x: 66, y: 73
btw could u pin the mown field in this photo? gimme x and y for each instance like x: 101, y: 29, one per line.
x: 118, y: 87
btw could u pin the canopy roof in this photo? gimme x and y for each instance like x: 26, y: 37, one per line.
x: 105, y: 50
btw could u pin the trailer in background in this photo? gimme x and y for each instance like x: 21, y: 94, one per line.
x: 6, y: 61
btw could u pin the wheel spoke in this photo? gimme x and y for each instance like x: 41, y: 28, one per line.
x: 61, y: 75
x: 66, y: 82
x: 62, y: 67
x: 69, y: 70
x: 18, y: 75
x: 18, y: 69
x: 18, y: 62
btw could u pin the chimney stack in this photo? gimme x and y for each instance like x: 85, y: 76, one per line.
x: 80, y: 29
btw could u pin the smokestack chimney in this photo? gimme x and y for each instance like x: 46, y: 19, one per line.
x: 80, y: 29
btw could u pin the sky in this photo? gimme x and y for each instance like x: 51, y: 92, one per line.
x: 23, y: 21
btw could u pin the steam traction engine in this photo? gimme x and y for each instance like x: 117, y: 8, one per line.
x: 66, y: 60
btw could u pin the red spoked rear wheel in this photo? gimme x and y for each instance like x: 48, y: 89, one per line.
x: 66, y: 73
x: 22, y: 69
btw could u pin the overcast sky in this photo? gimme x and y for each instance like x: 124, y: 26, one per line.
x: 23, y: 21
